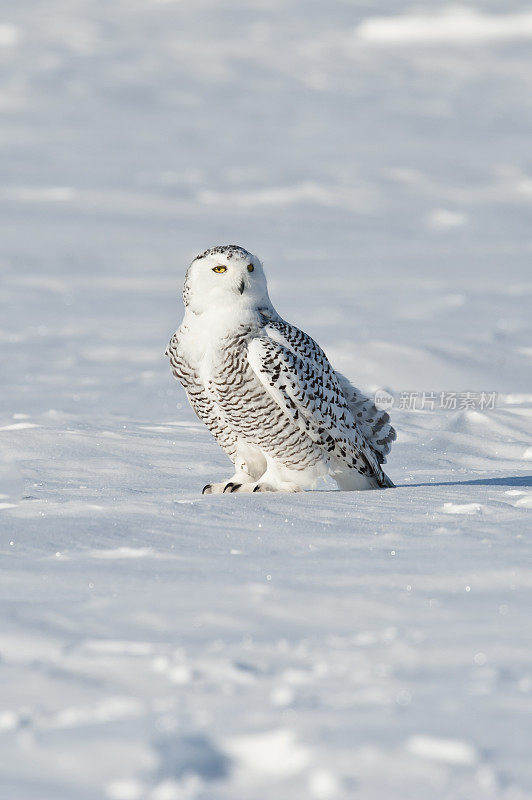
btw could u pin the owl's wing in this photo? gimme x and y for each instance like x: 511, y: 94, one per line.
x: 307, y: 390
x: 373, y: 424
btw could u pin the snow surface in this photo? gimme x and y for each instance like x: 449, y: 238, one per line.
x: 160, y: 645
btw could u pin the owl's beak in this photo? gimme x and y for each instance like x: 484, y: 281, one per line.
x: 241, y: 287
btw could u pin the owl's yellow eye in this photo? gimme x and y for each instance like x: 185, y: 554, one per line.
x: 250, y: 267
x: 219, y: 269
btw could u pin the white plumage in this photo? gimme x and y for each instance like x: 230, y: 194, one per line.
x: 266, y: 390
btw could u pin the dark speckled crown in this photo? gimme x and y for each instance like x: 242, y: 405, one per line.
x: 228, y: 250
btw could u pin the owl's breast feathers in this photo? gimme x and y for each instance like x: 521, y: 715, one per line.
x: 187, y: 371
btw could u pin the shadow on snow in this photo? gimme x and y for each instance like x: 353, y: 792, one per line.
x: 515, y: 480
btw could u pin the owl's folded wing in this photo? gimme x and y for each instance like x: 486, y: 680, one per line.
x: 372, y: 423
x: 312, y: 398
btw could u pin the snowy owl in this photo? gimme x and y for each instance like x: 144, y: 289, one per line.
x: 266, y: 390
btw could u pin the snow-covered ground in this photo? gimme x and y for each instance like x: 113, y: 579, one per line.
x: 160, y: 645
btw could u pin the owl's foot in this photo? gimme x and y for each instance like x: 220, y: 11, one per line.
x: 240, y: 478
x: 255, y: 486
x: 261, y: 486
x: 221, y: 488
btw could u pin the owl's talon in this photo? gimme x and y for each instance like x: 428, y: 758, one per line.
x: 231, y: 487
x: 207, y: 489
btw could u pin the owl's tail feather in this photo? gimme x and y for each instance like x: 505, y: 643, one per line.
x: 387, y: 483
x: 381, y: 481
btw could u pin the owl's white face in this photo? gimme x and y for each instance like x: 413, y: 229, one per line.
x: 225, y: 277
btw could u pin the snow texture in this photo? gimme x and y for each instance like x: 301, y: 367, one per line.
x: 160, y: 645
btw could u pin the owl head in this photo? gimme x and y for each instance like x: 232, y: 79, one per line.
x: 225, y: 277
